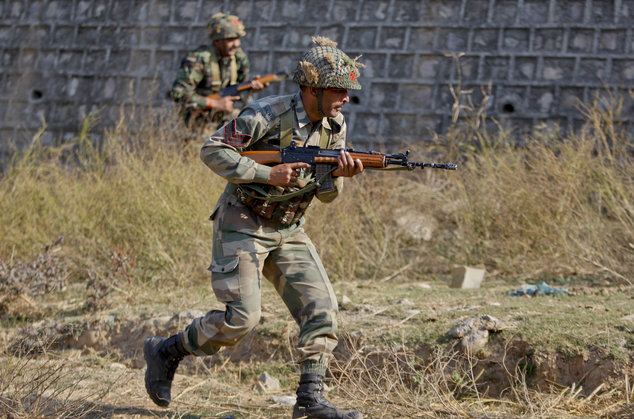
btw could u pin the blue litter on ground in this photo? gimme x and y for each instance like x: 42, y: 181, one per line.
x: 541, y: 288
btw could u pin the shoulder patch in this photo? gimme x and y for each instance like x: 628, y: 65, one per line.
x: 233, y: 137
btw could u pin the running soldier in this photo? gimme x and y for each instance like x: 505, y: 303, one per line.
x: 258, y: 229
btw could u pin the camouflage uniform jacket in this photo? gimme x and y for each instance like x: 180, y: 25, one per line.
x: 258, y: 128
x: 195, y: 79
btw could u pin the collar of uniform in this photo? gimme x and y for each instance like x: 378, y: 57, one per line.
x: 326, y: 123
x: 302, y: 116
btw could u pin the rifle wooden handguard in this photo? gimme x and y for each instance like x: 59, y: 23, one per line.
x: 235, y: 89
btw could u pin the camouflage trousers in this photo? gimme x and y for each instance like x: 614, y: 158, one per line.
x: 246, y: 248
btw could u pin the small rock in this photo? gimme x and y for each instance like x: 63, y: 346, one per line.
x: 285, y: 400
x: 345, y: 303
x: 474, y: 340
x: 474, y: 332
x: 466, y: 277
x: 266, y: 383
x: 88, y: 339
x: 415, y: 225
x: 117, y: 366
x: 159, y: 323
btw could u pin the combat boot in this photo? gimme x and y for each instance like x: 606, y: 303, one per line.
x: 162, y: 357
x: 312, y: 404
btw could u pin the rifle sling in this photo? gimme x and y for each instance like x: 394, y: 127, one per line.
x: 233, y: 70
x: 286, y: 127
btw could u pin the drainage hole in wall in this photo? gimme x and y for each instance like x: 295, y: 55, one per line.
x: 508, y: 108
x: 355, y: 100
x: 37, y: 94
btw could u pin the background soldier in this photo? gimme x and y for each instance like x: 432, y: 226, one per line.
x: 209, y: 69
x: 256, y: 238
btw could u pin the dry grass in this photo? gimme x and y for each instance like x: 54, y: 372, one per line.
x: 556, y: 206
x: 398, y: 382
x: 43, y: 388
x: 133, y: 217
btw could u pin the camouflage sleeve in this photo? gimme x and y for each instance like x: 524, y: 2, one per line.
x: 221, y: 152
x: 338, y: 141
x: 243, y: 65
x: 189, y: 76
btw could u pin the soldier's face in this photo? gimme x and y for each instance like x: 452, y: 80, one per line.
x: 227, y: 47
x: 334, y: 99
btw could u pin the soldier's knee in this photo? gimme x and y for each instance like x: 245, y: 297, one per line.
x: 250, y: 319
x: 243, y: 321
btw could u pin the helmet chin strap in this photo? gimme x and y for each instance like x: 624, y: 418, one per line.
x: 320, y: 102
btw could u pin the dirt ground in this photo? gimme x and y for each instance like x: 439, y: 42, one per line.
x: 581, y: 342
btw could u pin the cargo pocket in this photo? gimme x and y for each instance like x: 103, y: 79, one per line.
x: 225, y: 278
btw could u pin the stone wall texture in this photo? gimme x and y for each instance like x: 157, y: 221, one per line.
x: 61, y: 59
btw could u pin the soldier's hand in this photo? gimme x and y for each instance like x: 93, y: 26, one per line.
x: 286, y: 174
x: 258, y: 85
x: 348, y: 166
x: 224, y: 104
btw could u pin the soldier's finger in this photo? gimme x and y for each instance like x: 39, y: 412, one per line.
x: 298, y: 165
x: 347, y: 160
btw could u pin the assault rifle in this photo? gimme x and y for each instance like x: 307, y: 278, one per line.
x: 317, y: 156
x: 236, y: 89
x: 324, y: 162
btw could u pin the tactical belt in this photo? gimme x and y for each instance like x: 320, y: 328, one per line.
x: 281, y: 213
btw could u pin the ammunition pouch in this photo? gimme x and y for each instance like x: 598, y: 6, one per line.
x: 283, y: 213
x: 280, y: 205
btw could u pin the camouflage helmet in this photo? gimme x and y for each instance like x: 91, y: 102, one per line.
x: 225, y: 26
x: 324, y: 66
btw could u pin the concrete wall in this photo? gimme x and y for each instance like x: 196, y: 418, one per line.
x: 60, y: 59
